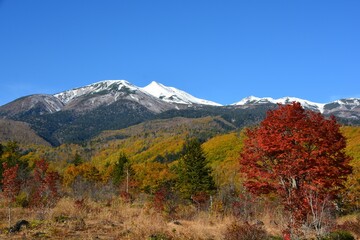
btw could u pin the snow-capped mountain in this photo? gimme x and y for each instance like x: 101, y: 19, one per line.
x: 156, y: 97
x: 348, y: 108
x: 173, y: 95
x: 285, y: 100
x: 345, y: 104
x: 116, y: 87
x: 345, y: 108
x: 108, y: 92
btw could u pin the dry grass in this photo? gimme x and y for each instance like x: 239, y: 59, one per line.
x: 350, y: 223
x: 121, y: 220
x: 118, y: 220
x: 351, y: 217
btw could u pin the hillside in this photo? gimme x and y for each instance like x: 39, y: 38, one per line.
x: 157, y: 140
x: 20, y: 132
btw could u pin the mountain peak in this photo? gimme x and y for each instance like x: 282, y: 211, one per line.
x: 111, y: 82
x: 105, y: 85
x: 254, y: 100
x: 174, y: 95
x: 154, y: 83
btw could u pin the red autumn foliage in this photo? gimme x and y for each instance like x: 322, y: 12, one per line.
x: 297, y: 154
x: 286, y: 235
x: 11, y: 185
x: 46, y: 191
x: 126, y: 197
x: 160, y: 198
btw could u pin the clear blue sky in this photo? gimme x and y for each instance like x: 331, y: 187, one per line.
x: 220, y: 50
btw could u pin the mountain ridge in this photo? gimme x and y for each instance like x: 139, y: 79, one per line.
x: 284, y: 100
x: 174, y: 96
x: 79, y: 114
x: 345, y: 108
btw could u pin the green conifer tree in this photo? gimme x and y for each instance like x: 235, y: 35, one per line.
x: 194, y: 176
x: 122, y: 171
x: 1, y: 150
x: 77, y: 160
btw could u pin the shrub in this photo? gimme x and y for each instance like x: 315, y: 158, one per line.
x: 159, y: 236
x: 352, y: 226
x: 339, y: 235
x: 61, y: 218
x: 245, y: 231
x: 275, y: 238
x: 185, y: 212
x: 22, y: 200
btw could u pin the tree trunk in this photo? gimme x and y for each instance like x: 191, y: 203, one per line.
x: 127, y: 180
x: 9, y: 215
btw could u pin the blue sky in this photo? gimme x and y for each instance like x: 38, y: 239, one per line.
x: 217, y: 50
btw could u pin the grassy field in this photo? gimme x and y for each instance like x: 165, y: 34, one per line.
x: 115, y: 220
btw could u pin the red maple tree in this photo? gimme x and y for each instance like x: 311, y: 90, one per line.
x: 10, y: 185
x: 10, y: 182
x: 299, y: 155
x: 46, y: 183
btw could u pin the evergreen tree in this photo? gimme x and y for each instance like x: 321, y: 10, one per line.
x: 11, y: 153
x: 77, y: 160
x: 122, y: 170
x: 1, y: 150
x: 194, y: 174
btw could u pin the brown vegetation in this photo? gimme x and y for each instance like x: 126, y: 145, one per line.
x: 20, y: 132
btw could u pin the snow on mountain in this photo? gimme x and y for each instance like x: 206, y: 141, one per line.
x: 348, y: 103
x: 158, y: 98
x: 107, y: 92
x: 52, y: 104
x: 154, y: 89
x: 173, y: 95
x: 98, y: 87
x: 253, y: 100
x: 305, y: 103
x: 285, y: 100
x: 346, y: 108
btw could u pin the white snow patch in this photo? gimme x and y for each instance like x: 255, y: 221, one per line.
x: 173, y: 95
x: 53, y: 106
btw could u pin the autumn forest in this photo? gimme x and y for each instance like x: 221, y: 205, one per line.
x: 296, y: 175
